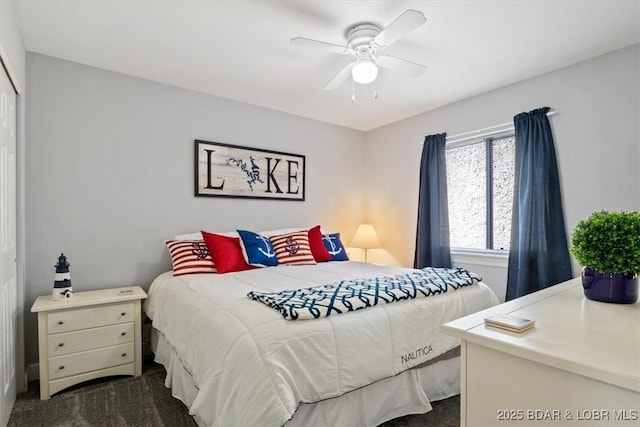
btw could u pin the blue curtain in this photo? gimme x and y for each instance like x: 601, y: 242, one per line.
x: 432, y: 236
x: 539, y: 255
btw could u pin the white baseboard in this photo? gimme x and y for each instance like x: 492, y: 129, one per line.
x: 33, y: 372
x: 25, y: 383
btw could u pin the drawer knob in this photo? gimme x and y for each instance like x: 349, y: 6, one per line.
x: 61, y: 367
x: 123, y: 313
x: 61, y: 344
x: 60, y: 322
x: 123, y: 354
x: 123, y: 333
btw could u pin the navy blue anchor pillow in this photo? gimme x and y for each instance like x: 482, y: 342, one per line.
x: 335, y: 247
x: 257, y: 250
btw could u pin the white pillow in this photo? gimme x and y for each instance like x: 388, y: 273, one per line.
x: 279, y: 231
x: 268, y: 233
x: 198, y: 235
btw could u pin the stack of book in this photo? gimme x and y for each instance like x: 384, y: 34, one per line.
x: 509, y: 322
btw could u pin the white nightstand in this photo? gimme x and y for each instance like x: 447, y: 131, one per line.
x: 94, y: 334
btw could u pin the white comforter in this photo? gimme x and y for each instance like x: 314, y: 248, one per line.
x: 251, y: 367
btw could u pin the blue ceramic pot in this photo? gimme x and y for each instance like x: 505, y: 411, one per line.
x: 614, y: 288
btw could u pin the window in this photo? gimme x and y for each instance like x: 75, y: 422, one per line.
x: 480, y: 190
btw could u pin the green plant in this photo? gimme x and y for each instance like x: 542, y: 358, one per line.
x: 608, y: 242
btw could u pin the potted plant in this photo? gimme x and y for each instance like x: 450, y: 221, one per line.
x: 607, y: 245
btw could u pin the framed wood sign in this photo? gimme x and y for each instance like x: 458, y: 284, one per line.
x: 224, y: 170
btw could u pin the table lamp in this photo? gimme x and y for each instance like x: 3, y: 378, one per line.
x: 365, y: 238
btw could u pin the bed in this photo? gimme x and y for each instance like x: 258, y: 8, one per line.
x: 237, y: 362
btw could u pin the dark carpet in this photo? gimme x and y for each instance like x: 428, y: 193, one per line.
x: 144, y: 401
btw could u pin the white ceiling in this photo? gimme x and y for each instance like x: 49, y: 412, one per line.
x: 240, y: 49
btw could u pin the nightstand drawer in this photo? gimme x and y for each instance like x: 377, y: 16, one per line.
x: 83, y: 318
x: 77, y: 363
x: 89, y: 339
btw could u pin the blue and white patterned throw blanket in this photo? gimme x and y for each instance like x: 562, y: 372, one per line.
x: 356, y: 294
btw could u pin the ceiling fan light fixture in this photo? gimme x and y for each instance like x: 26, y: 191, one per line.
x: 364, y: 72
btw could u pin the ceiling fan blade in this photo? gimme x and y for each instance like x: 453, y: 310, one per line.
x: 316, y: 44
x: 405, y: 23
x: 402, y: 65
x: 340, y: 77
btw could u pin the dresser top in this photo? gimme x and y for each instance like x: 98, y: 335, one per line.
x: 589, y: 338
x: 87, y: 298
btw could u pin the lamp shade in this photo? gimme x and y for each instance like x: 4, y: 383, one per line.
x: 365, y: 237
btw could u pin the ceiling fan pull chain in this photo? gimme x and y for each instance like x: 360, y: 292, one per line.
x: 353, y: 91
x: 375, y: 93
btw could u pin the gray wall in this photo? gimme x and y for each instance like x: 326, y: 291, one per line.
x: 109, y: 165
x: 110, y: 174
x: 597, y: 136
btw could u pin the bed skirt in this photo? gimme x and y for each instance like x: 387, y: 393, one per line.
x: 409, y: 392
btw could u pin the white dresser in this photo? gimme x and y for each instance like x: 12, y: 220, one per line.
x: 94, y: 334
x: 579, y: 365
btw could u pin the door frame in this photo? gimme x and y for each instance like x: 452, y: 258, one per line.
x: 21, y: 371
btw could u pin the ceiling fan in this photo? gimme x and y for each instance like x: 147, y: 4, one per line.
x: 364, y: 42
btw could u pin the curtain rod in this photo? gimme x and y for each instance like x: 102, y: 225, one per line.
x: 549, y: 114
x: 479, y: 133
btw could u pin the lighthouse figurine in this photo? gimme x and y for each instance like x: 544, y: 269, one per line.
x: 62, y: 283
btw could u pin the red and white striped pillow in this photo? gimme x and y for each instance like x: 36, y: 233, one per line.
x: 190, y: 257
x: 293, y: 248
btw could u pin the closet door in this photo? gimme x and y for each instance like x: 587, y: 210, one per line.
x: 8, y: 268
